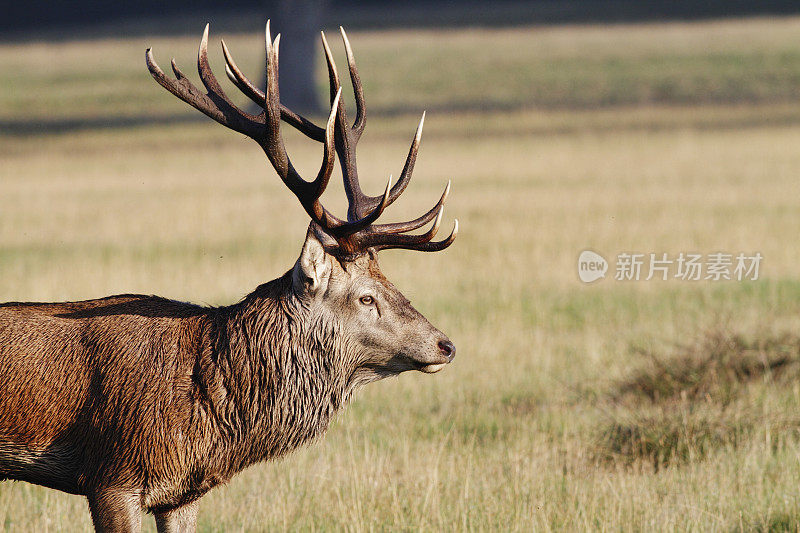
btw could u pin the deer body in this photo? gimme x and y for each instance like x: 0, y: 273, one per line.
x: 143, y: 403
x: 191, y: 395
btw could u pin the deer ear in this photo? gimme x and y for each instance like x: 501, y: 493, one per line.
x: 313, y: 269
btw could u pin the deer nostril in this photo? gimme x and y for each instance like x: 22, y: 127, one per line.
x: 448, y: 349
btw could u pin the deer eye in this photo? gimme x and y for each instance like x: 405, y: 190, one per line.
x: 367, y: 300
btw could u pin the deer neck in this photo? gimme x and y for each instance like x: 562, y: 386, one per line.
x: 284, y: 383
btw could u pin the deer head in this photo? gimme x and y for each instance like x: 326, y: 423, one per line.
x: 337, y: 278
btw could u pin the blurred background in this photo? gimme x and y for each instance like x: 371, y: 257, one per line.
x: 614, y: 126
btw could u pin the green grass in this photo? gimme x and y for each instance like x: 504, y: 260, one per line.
x: 748, y: 61
x: 612, y: 406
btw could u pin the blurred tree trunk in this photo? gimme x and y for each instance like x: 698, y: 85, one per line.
x: 299, y: 23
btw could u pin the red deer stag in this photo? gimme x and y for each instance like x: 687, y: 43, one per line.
x: 143, y: 403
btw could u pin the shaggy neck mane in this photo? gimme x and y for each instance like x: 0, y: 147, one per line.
x: 281, y: 376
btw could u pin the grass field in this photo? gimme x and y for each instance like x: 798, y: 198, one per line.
x: 613, y: 406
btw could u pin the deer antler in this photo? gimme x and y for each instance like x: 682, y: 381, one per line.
x: 354, y: 235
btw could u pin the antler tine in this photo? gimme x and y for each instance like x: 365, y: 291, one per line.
x: 405, y: 175
x: 324, y: 175
x: 411, y: 159
x: 257, y: 96
x: 239, y: 79
x: 411, y: 225
x: 206, y: 75
x: 358, y: 91
x: 383, y: 237
x: 389, y: 235
x: 333, y: 74
x: 415, y: 242
x: 213, y: 105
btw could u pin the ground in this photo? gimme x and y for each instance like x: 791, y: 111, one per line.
x: 612, y: 406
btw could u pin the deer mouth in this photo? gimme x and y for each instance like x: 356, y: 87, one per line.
x: 432, y: 369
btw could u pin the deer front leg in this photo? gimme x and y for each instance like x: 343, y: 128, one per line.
x: 116, y: 511
x: 180, y: 520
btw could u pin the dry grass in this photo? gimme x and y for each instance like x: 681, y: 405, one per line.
x: 547, y: 420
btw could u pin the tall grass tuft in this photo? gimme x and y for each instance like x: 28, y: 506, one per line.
x: 714, y: 367
x: 713, y: 393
